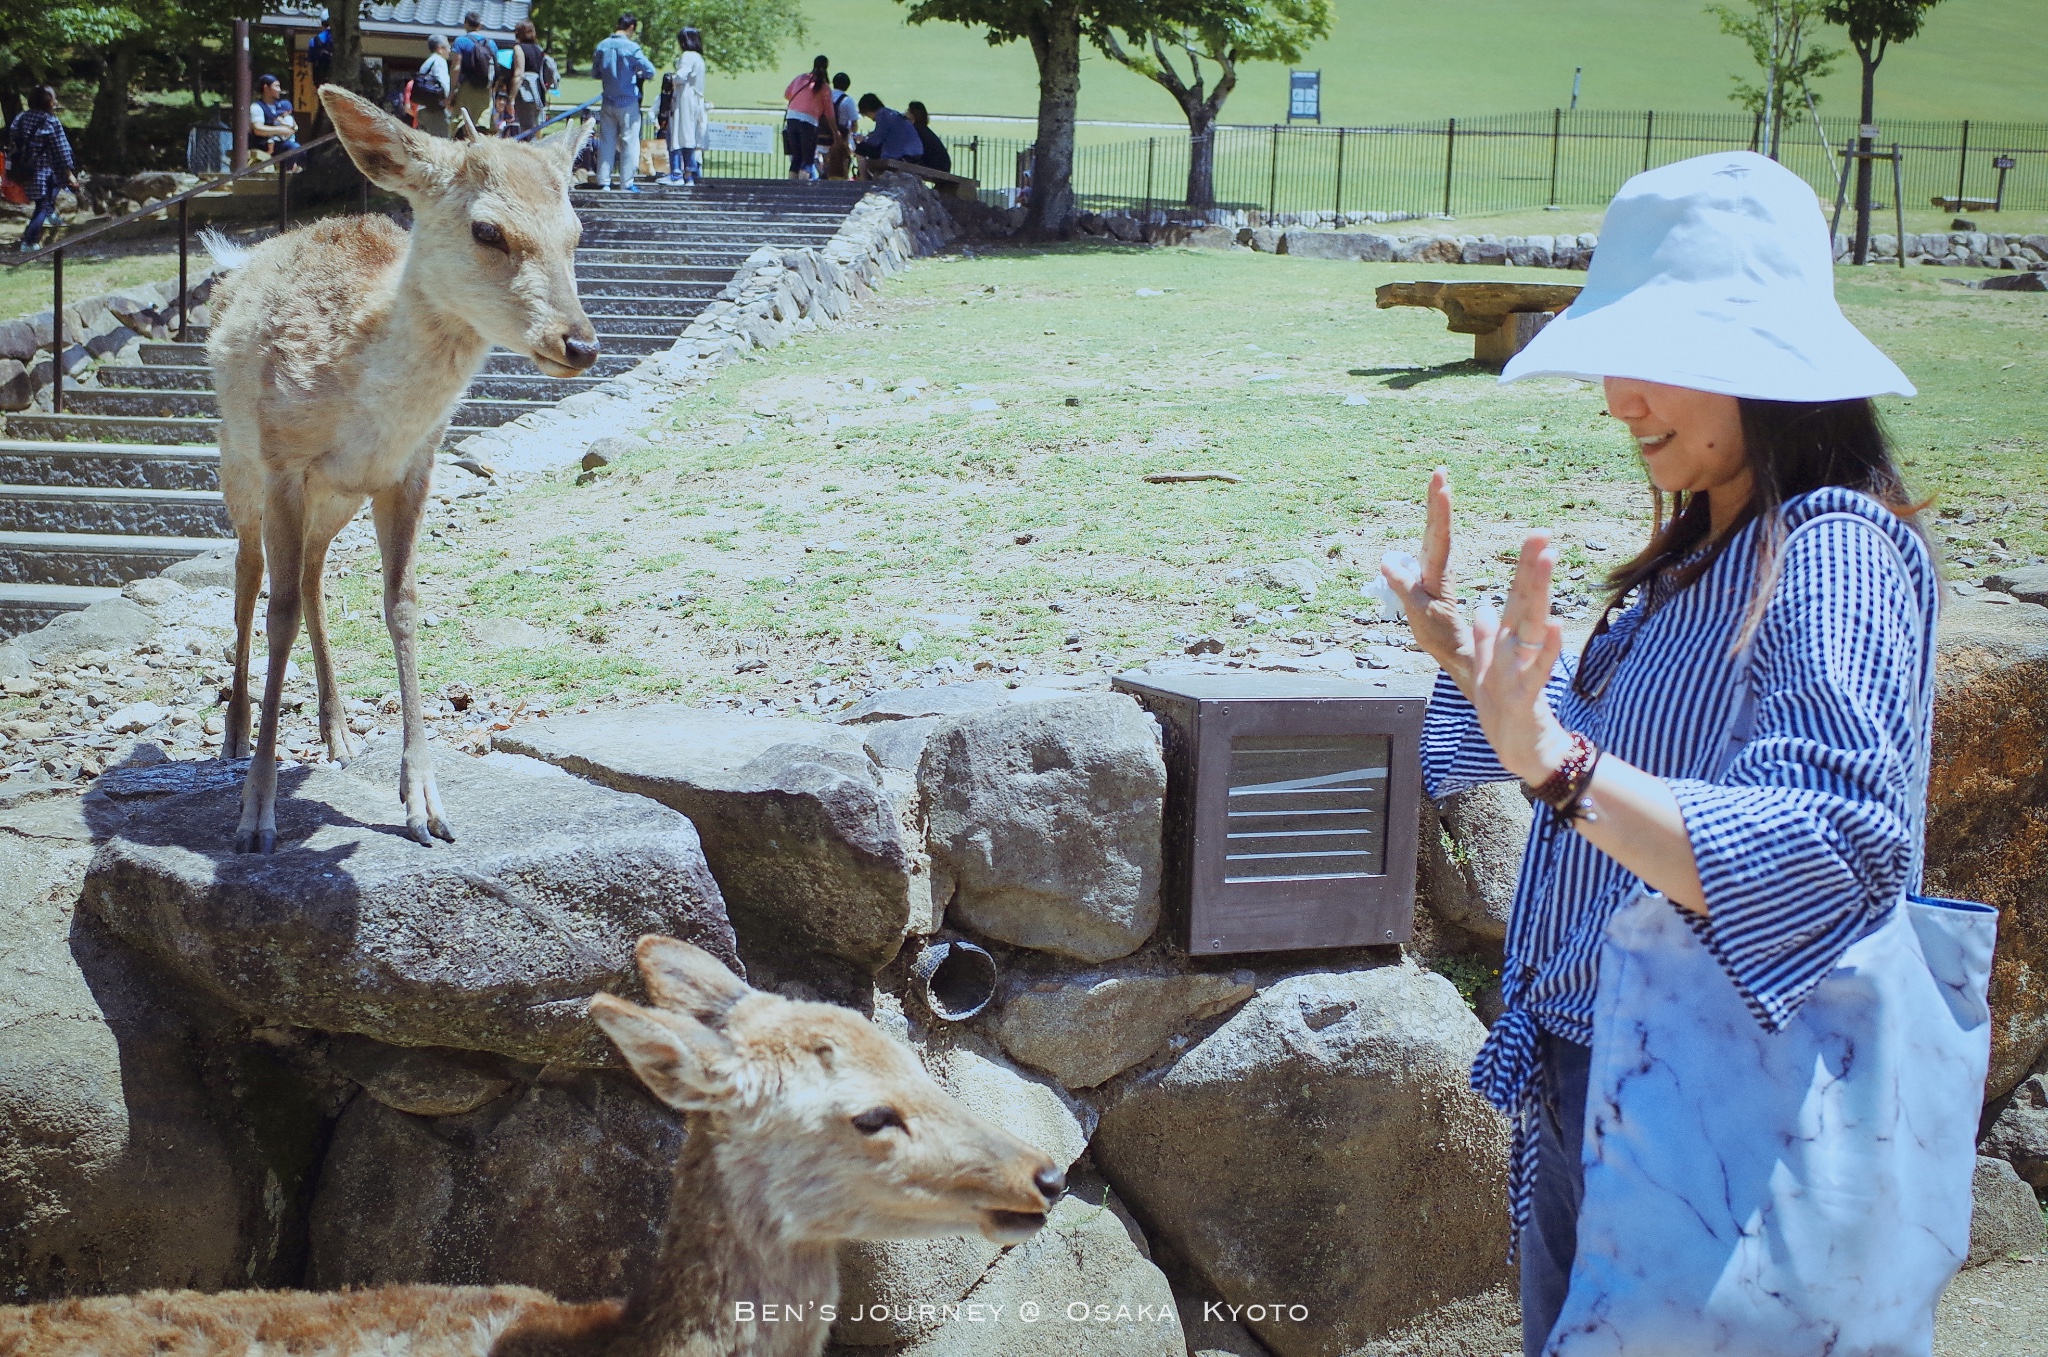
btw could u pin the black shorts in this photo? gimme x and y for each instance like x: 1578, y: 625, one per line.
x: 800, y: 144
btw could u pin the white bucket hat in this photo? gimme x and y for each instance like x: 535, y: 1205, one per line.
x: 1714, y: 273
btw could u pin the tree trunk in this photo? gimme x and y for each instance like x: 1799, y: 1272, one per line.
x: 1869, y: 56
x: 106, y: 132
x: 1201, y: 155
x: 10, y: 105
x: 1056, y: 42
x: 347, y: 22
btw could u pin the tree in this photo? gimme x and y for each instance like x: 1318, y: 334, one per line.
x: 1221, y: 32
x: 1053, y: 28
x: 739, y: 35
x: 1874, y: 25
x: 1775, y: 31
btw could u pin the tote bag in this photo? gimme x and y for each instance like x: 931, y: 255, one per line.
x: 1778, y: 1194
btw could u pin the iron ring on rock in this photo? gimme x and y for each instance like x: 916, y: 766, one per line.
x: 956, y: 979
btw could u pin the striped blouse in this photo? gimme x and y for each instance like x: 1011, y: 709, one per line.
x: 1805, y: 839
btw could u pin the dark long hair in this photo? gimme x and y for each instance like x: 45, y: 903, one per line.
x: 821, y: 73
x: 1791, y: 447
x: 690, y: 40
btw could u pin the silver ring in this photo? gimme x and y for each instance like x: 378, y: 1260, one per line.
x: 1527, y: 645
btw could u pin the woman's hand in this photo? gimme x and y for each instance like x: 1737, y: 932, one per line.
x: 1424, y: 588
x: 1512, y: 658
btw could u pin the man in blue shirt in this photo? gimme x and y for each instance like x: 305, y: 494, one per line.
x: 895, y: 136
x: 476, y: 70
x: 620, y: 65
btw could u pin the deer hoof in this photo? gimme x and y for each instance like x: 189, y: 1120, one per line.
x: 259, y: 841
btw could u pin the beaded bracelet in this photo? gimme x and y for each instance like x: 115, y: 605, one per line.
x: 1562, y: 790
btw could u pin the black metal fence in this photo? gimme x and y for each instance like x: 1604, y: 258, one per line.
x: 1557, y: 157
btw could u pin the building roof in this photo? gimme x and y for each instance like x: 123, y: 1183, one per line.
x: 427, y: 16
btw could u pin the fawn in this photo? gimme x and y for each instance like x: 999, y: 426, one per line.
x: 339, y: 352
x: 807, y: 1126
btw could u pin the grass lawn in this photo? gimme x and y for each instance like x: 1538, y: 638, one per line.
x: 27, y: 288
x: 966, y: 462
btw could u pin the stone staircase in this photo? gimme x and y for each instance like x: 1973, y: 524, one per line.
x: 124, y: 482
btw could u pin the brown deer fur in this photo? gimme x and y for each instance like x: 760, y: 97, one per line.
x: 339, y: 352
x: 807, y: 1126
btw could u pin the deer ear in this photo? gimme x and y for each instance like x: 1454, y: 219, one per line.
x: 687, y: 979
x: 567, y: 143
x: 682, y: 1062
x: 391, y: 154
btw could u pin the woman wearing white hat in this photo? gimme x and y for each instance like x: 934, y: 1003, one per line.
x: 1743, y: 1057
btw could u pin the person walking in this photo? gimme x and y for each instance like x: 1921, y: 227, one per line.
x: 529, y: 77
x: 688, y: 111
x: 934, y: 155
x: 1743, y: 1057
x: 808, y: 111
x: 620, y: 66
x: 476, y: 71
x: 39, y: 160
x: 430, y: 89
x: 845, y: 122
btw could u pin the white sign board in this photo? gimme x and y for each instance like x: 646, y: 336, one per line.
x: 758, y: 137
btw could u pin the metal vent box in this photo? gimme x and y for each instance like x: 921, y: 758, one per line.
x: 1291, y: 807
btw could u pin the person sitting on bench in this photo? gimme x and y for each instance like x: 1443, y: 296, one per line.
x: 935, y: 156
x: 271, y: 129
x: 894, y: 137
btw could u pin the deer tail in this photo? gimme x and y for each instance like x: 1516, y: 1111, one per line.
x: 226, y: 255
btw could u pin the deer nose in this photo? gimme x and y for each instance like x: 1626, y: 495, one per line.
x: 581, y: 352
x: 1050, y: 1181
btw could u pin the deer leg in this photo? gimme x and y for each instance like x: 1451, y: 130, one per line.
x: 284, y: 539
x: 248, y: 583
x: 397, y: 511
x: 326, y: 515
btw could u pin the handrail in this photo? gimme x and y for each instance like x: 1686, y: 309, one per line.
x: 72, y: 242
x: 534, y: 132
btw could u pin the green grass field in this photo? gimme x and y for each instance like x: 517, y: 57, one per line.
x: 966, y: 461
x: 1980, y: 59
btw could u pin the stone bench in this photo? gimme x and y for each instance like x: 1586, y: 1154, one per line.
x: 1501, y: 317
x: 945, y: 183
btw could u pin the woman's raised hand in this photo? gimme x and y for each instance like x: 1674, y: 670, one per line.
x: 1512, y: 658
x: 1424, y: 588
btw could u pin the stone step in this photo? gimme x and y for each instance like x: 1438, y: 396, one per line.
x: 614, y: 331
x: 666, y: 308
x: 650, y: 289
x: 711, y: 276
x: 119, y: 511
x: 205, y: 406
x: 144, y: 377
x: 181, y: 373
x: 24, y: 607
x: 99, y: 559
x: 502, y: 363
x: 639, y: 345
x: 164, y: 353
x: 696, y: 244
x: 161, y: 432
x: 115, y: 465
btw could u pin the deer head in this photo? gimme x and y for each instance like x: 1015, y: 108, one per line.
x: 825, y: 1128
x: 493, y: 237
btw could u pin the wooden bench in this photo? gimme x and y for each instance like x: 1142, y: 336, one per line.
x: 1501, y: 317
x: 1965, y: 204
x: 944, y: 182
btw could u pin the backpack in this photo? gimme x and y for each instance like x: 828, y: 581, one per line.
x: 550, y: 74
x: 480, y: 62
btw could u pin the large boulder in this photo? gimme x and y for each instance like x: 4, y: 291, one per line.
x: 127, y: 1160
x: 1322, y: 1148
x: 806, y: 841
x: 1085, y: 1029
x: 1045, y: 821
x: 2005, y: 1218
x: 1472, y: 856
x: 1338, y: 245
x: 1078, y: 1288
x: 563, y: 1185
x: 1987, y: 806
x: 2020, y: 1134
x: 492, y: 943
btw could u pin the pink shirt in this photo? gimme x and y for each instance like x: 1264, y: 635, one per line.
x: 811, y: 105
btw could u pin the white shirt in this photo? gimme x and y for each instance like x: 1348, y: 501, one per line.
x: 437, y: 66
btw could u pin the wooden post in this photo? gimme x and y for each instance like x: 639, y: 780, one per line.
x: 1556, y: 141
x: 1962, y: 165
x: 1337, y: 207
x: 1450, y: 150
x: 1899, y: 202
x: 238, y: 158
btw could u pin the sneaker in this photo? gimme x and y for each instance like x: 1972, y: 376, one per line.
x: 672, y: 180
x: 632, y: 188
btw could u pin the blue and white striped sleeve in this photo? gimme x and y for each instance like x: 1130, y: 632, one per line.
x: 1455, y: 754
x: 1808, y: 835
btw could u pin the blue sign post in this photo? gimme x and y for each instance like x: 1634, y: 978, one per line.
x: 1305, y: 95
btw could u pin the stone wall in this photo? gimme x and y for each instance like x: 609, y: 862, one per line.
x: 102, y: 329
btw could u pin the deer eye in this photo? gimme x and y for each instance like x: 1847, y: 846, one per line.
x: 877, y: 1119
x: 489, y: 236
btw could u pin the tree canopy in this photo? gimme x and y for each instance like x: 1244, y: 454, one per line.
x: 1779, y: 36
x: 739, y: 35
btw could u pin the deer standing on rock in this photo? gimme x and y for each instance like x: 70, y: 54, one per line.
x: 807, y: 1126
x: 339, y: 352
